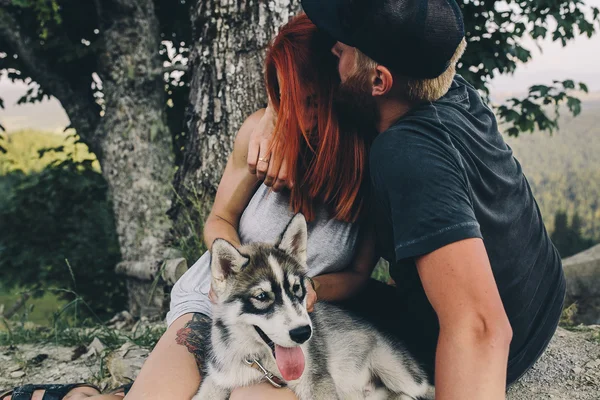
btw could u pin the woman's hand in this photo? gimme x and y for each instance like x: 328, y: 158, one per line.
x: 267, y: 166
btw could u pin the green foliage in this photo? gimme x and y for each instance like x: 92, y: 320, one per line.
x: 36, y: 310
x: 68, y: 36
x: 526, y: 115
x: 568, y: 238
x: 58, y: 231
x: 32, y: 151
x: 45, y: 10
x: 188, y: 233
x: 496, y: 34
x: 564, y: 171
x: 65, y: 330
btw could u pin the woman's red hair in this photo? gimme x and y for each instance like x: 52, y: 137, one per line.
x: 327, y: 165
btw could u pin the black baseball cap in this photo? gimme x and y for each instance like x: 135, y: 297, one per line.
x: 414, y: 38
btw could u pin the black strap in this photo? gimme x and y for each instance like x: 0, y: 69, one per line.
x: 52, y: 392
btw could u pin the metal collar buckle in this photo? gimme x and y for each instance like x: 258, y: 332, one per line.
x: 272, y: 379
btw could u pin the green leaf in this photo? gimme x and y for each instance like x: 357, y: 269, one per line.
x: 513, y: 131
x: 574, y: 105
x: 539, y: 32
x: 543, y: 90
x: 583, y: 87
x: 511, y: 115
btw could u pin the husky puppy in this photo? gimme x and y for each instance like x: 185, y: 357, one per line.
x: 260, y: 319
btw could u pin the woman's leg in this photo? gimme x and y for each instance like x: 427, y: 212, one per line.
x: 263, y: 391
x: 170, y: 372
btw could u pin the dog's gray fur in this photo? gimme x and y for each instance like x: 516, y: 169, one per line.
x: 345, y: 358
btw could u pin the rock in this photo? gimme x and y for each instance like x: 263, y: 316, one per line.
x: 97, y: 345
x: 558, y: 373
x: 173, y: 270
x: 17, y: 374
x: 121, y: 320
x: 125, y: 363
x: 78, y: 352
x: 582, y: 272
x: 37, y: 360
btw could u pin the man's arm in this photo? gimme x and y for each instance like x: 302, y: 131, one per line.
x: 475, y: 334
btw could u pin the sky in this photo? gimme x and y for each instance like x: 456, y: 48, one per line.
x: 579, y: 60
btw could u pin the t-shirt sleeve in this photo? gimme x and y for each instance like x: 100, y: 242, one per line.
x: 190, y: 292
x: 422, y: 188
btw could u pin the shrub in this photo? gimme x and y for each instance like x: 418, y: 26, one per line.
x: 57, y: 230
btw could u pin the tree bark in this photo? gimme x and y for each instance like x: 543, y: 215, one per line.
x: 226, y: 60
x: 131, y: 138
x: 138, y: 161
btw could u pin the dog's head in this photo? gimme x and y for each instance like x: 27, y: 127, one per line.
x: 261, y: 293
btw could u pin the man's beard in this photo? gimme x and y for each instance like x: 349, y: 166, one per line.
x: 354, y: 103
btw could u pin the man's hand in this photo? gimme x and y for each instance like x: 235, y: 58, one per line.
x: 311, y: 297
x: 267, y: 166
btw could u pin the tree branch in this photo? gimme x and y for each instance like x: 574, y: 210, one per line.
x: 80, y: 107
x: 172, y: 68
x: 16, y: 306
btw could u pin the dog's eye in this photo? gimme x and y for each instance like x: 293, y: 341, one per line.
x: 262, y: 296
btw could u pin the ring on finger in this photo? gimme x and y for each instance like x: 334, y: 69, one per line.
x: 263, y: 159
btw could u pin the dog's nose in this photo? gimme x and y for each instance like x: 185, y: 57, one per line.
x: 300, y: 334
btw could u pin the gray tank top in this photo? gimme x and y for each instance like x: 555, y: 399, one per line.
x: 331, y: 246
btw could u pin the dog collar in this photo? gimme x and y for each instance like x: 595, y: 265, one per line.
x: 269, y: 377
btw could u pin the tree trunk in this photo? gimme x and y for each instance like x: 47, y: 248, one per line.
x: 226, y: 62
x: 131, y: 138
x: 137, y: 156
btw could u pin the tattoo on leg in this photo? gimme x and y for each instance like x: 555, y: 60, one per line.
x: 195, y: 336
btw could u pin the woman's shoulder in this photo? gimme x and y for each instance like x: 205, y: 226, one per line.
x: 251, y: 122
x: 242, y: 138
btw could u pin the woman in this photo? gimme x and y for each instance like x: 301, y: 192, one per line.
x: 326, y: 163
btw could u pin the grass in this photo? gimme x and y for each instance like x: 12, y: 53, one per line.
x: 37, y: 310
x: 72, y: 324
x: 567, y: 319
x: 381, y: 271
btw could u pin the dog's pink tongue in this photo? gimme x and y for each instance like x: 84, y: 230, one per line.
x: 290, y: 361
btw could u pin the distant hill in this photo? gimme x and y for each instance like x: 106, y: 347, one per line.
x: 564, y: 169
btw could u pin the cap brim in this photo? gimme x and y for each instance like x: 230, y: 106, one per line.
x: 325, y: 15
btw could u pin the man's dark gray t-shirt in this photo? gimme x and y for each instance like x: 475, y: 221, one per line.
x: 443, y: 173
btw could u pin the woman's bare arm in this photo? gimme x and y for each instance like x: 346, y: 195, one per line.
x: 235, y: 189
x: 339, y: 286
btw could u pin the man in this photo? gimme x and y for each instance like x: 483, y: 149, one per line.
x: 480, y: 286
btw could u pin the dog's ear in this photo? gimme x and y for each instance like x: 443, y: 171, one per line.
x: 225, y: 261
x: 294, y: 238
